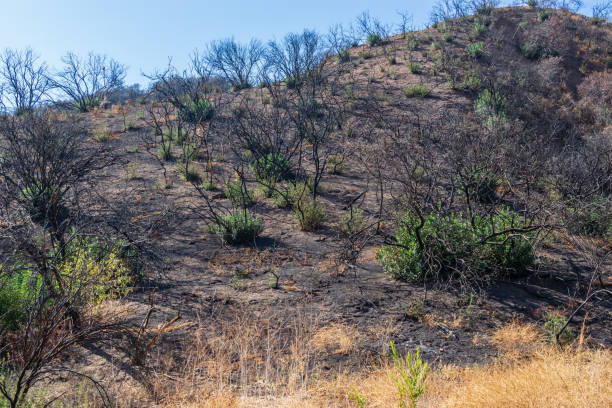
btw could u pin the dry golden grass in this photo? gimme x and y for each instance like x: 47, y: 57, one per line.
x: 529, y: 373
x: 336, y: 338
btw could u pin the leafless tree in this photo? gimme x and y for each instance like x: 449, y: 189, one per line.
x: 296, y: 56
x: 25, y: 79
x: 86, y: 81
x: 602, y: 9
x: 237, y: 63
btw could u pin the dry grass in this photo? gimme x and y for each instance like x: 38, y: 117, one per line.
x: 336, y: 338
x: 285, y: 375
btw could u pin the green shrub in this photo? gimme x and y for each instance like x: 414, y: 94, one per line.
x: 417, y: 91
x: 102, y: 134
x: 309, y: 213
x: 593, y: 218
x: 164, y: 151
x: 130, y: 125
x: 196, y: 111
x: 188, y: 172
x: 544, y: 15
x: 239, y: 227
x: 239, y: 194
x: 448, y: 37
x: 410, y: 376
x: 42, y: 202
x: 350, y: 222
x: 102, y: 269
x: 290, y: 82
x: 475, y: 50
x: 91, y: 273
x: 552, y: 324
x: 373, y: 40
x: 343, y: 56
x: 414, y: 68
x: 481, y: 185
x: 471, y: 82
x: 532, y: 3
x: 491, y: 104
x: 18, y: 289
x: 453, y: 243
x: 271, y: 168
x: 335, y: 164
x: 531, y: 51
x: 479, y: 29
x: 413, y: 44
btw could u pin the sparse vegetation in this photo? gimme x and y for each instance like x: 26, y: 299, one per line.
x: 470, y: 162
x: 417, y: 91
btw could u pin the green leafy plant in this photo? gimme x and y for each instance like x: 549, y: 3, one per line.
x: 238, y: 281
x: 544, y: 15
x: 552, y: 324
x: 475, y: 50
x: 358, y: 398
x: 448, y: 37
x: 414, y: 68
x: 417, y: 91
x: 102, y: 134
x: 410, y: 377
x: 309, y: 214
x: 271, y: 168
x: 350, y: 222
x: 491, y: 104
x: 131, y: 171
x: 196, y: 111
x: 373, y: 40
x: 239, y: 194
x: 438, y: 246
x: 343, y: 56
x: 239, y: 227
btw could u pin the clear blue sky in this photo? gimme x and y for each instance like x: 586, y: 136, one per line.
x: 142, y: 34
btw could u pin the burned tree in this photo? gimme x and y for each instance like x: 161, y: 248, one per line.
x: 86, y: 81
x: 25, y: 80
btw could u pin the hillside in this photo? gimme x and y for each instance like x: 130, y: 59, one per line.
x: 448, y: 189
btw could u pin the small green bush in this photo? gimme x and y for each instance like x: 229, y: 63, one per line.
x: 350, y: 222
x: 42, y: 202
x: 532, y: 3
x: 335, y: 164
x: 18, y: 289
x: 481, y: 185
x: 475, y: 50
x: 196, y: 111
x: 309, y: 213
x: 479, y: 29
x: 239, y: 227
x: 414, y: 68
x: 417, y: 91
x: 491, y: 104
x: 290, y: 82
x: 413, y: 44
x: 373, y: 40
x: 410, y: 376
x: 271, y: 168
x: 593, y: 218
x: 531, y: 51
x: 448, y: 37
x: 453, y: 242
x: 544, y: 15
x: 552, y: 324
x: 164, y: 151
x: 343, y: 56
x: 239, y: 195
x: 102, y: 134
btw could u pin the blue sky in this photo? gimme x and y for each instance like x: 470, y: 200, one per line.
x: 142, y: 34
